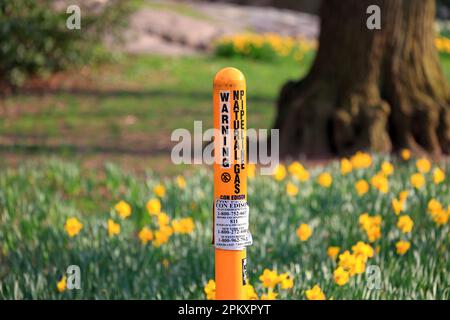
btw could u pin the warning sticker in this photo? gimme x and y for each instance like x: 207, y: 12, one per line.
x: 231, y: 225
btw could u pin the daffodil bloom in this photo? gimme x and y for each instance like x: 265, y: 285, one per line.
x: 434, y: 206
x: 373, y: 233
x: 73, y: 226
x: 304, y: 231
x: 113, y: 228
x: 397, y: 205
x: 159, y: 190
x: 181, y: 182
x: 380, y: 182
x: 363, y: 250
x: 341, y: 277
x: 251, y: 170
x: 163, y: 219
x: 298, y: 171
x: 405, y: 223
x: 441, y: 216
x: 417, y: 180
x: 183, y: 226
x: 333, y: 251
x: 279, y: 172
x: 387, y: 168
x: 61, y: 285
x: 153, y: 207
x: 269, y: 278
x: 371, y: 225
x: 362, y: 187
x: 123, y: 209
x: 315, y: 293
x: 361, y: 160
x: 210, y: 290
x: 405, y: 154
x: 346, y: 166
x: 250, y: 292
x: 423, y: 165
x: 402, y: 247
x: 270, y: 295
x: 403, y: 195
x: 438, y: 176
x: 286, y: 281
x: 145, y: 235
x: 161, y: 236
x: 325, y: 179
x: 291, y: 189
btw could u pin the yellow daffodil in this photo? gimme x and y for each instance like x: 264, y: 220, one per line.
x: 61, y: 285
x: 341, y: 277
x: 397, y: 205
x: 298, y: 171
x: 417, y: 180
x: 181, y: 182
x: 380, y: 182
x: 423, y: 165
x: 250, y: 292
x: 279, y: 172
x: 405, y: 154
x: 333, y: 251
x: 325, y: 179
x: 304, y: 231
x: 123, y: 209
x: 153, y: 207
x: 403, y: 195
x: 361, y: 160
x: 362, y: 187
x: 73, y: 226
x: 269, y: 278
x: 346, y: 166
x: 363, y: 250
x: 210, y: 290
x: 291, y: 189
x: 159, y: 190
x: 387, y: 168
x: 405, y: 223
x: 145, y: 235
x: 183, y: 226
x: 270, y: 295
x: 113, y: 228
x: 402, y: 247
x: 371, y: 225
x: 163, y: 219
x: 438, y: 176
x: 251, y: 170
x: 286, y: 281
x: 315, y: 293
x: 441, y: 216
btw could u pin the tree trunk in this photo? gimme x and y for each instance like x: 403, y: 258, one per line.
x: 378, y: 90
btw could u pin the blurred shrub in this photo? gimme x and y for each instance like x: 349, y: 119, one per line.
x: 35, y: 40
x: 263, y: 46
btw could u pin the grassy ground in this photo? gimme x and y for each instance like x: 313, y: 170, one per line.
x: 35, y: 250
x: 127, y: 111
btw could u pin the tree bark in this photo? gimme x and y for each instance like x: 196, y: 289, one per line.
x: 378, y: 90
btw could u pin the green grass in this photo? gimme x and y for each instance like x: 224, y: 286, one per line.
x: 132, y: 107
x: 36, y: 200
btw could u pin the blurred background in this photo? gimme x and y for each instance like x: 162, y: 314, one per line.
x: 139, y: 69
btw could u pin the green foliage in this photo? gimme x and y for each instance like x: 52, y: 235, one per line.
x: 36, y: 200
x: 35, y: 39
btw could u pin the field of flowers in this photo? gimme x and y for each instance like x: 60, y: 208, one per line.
x: 315, y: 231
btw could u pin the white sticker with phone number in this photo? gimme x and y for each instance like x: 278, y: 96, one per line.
x: 231, y: 225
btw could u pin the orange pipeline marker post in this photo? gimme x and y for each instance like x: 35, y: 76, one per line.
x: 231, y: 212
